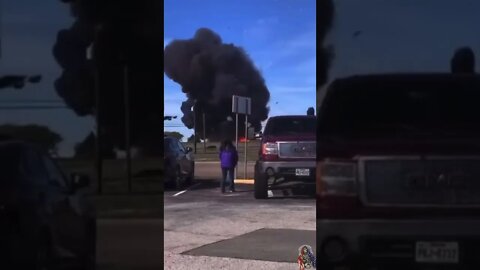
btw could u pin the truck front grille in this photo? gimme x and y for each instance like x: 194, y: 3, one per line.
x: 421, y: 182
x: 297, y: 150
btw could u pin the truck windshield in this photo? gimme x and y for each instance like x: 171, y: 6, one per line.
x: 291, y: 126
x: 426, y: 109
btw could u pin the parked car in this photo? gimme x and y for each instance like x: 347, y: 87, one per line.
x: 398, y: 175
x: 45, y: 220
x: 178, y: 162
x: 287, y: 153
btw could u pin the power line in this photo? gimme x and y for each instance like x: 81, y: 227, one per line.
x: 31, y: 101
x: 33, y: 107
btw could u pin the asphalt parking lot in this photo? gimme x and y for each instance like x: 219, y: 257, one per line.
x: 206, y: 229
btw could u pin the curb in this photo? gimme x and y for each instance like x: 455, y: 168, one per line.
x: 244, y: 181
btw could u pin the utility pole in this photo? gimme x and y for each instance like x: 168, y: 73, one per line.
x: 1, y: 28
x: 195, y: 127
x: 246, y: 142
x: 204, y: 135
x: 98, y: 140
x: 128, y: 149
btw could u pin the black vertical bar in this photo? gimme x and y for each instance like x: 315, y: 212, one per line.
x: 98, y: 141
x: 127, y: 128
x: 204, y: 135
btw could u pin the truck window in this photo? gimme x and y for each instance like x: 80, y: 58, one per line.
x: 423, y: 109
x: 291, y: 125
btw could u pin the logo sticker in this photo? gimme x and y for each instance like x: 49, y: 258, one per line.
x: 306, y: 258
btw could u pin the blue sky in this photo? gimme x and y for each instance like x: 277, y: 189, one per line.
x: 28, y: 32
x: 278, y: 35
x: 402, y: 35
x: 398, y: 35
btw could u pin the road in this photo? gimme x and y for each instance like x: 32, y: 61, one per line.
x: 205, y: 229
x: 211, y: 170
x: 134, y: 244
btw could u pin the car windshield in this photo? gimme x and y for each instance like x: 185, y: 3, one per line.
x: 291, y: 126
x: 436, y: 109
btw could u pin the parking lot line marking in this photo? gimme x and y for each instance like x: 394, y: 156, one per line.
x: 179, y: 193
x: 183, y: 191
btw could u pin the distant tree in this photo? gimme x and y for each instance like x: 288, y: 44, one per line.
x: 311, y: 111
x: 39, y: 135
x: 463, y: 61
x: 174, y: 134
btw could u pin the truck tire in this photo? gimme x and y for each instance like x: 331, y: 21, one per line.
x: 261, y: 187
x: 178, y: 179
x: 191, y: 176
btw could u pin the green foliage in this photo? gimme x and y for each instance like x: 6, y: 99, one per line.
x: 39, y: 135
x: 174, y: 134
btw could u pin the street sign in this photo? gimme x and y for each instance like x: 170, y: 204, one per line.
x: 241, y: 105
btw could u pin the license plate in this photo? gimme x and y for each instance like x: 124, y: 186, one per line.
x: 302, y: 172
x: 437, y: 252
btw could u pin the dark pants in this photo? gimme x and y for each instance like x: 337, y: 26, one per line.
x: 227, y: 179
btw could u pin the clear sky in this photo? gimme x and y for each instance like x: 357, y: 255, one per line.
x: 278, y: 35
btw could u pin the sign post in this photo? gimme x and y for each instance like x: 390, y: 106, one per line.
x: 241, y: 105
x: 246, y: 142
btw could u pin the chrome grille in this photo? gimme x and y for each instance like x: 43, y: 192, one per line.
x: 297, y: 150
x: 434, y: 181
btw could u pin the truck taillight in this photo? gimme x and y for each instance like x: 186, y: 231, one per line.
x: 337, y: 189
x: 269, y: 151
x: 337, y: 178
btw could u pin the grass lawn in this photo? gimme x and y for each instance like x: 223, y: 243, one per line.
x: 146, y: 199
x: 129, y: 206
x: 210, y: 152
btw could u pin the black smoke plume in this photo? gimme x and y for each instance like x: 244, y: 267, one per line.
x: 325, y: 16
x: 210, y: 72
x: 124, y: 34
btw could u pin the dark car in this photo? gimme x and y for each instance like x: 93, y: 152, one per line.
x: 45, y: 220
x: 179, y: 163
x: 398, y: 180
x: 287, y: 154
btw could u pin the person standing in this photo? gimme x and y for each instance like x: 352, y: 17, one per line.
x: 228, y: 162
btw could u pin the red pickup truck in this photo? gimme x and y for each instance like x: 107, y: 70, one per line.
x: 398, y: 174
x: 287, y: 154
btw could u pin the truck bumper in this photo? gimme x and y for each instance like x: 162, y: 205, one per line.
x: 393, y: 242
x: 286, y: 171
